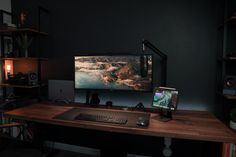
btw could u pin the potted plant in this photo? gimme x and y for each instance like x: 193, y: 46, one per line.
x: 233, y: 118
x: 24, y: 42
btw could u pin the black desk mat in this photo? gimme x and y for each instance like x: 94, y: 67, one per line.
x: 132, y: 117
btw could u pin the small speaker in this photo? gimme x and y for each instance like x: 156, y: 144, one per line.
x: 229, y: 85
x: 230, y: 82
x: 32, y: 78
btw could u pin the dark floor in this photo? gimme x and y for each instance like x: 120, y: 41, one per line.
x: 36, y: 153
x: 71, y: 154
x: 16, y: 148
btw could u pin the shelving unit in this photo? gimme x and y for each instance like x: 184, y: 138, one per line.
x: 22, y: 77
x: 22, y: 66
x: 226, y: 61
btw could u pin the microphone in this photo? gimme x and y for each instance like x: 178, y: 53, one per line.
x: 144, y: 62
x: 143, y: 46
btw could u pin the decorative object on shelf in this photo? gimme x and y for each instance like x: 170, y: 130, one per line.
x: 18, y: 79
x: 229, y: 91
x: 8, y: 46
x: 23, y: 17
x: 229, y: 85
x: 233, y: 118
x: 6, y: 19
x: 24, y: 42
x: 230, y: 82
x: 32, y: 78
x: 8, y: 70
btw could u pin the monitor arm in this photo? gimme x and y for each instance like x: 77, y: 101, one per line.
x: 162, y: 55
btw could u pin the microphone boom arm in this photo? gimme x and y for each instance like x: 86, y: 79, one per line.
x: 153, y: 48
x: 160, y: 54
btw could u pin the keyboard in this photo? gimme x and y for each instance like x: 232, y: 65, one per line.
x: 102, y: 118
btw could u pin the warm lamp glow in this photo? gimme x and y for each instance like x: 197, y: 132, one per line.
x: 8, y: 68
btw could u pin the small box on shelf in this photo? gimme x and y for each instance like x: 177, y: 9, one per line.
x: 229, y: 91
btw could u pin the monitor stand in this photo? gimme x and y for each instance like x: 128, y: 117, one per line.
x: 165, y: 115
x: 87, y: 96
x: 94, y: 99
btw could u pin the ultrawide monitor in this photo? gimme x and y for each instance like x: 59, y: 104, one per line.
x: 114, y: 72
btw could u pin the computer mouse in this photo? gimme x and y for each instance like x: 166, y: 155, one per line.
x: 142, y: 121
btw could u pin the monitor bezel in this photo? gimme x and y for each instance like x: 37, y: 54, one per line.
x: 114, y: 54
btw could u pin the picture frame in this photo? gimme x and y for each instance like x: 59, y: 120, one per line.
x: 6, y: 40
x: 7, y: 46
x: 6, y: 18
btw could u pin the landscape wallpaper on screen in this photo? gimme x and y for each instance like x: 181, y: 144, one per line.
x: 113, y: 72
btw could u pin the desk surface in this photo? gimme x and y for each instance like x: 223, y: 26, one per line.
x: 194, y: 125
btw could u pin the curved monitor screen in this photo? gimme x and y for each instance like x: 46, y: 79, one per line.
x: 116, y: 72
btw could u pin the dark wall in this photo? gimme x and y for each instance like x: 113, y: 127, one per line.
x: 185, y: 30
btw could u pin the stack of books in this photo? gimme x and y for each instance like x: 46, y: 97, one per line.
x: 229, y: 150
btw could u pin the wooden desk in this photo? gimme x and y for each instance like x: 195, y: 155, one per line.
x: 194, y: 125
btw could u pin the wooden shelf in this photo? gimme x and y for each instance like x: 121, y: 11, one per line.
x: 230, y: 97
x: 7, y: 30
x: 23, y: 58
x: 230, y: 19
x: 9, y: 125
x: 230, y: 58
x: 226, y: 96
x: 18, y: 86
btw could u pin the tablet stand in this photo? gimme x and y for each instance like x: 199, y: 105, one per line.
x: 165, y: 115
